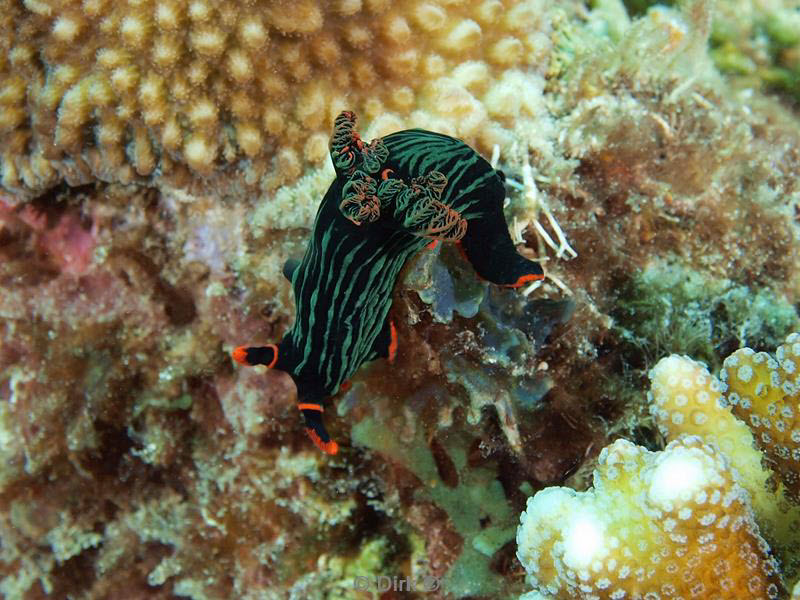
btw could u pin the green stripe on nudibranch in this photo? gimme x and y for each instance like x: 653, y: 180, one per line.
x: 390, y: 198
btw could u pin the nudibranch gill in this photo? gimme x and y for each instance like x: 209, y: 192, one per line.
x: 390, y: 198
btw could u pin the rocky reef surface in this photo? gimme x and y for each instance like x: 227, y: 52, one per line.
x: 162, y: 159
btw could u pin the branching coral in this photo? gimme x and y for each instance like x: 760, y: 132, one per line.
x: 686, y: 399
x: 669, y: 524
x: 122, y: 90
x: 763, y: 392
x: 575, y: 544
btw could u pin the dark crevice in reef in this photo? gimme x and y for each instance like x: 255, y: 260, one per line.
x: 636, y: 8
x: 54, y: 201
x: 178, y: 302
x: 444, y: 464
x: 75, y: 575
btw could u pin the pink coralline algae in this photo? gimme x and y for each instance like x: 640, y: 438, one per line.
x: 68, y: 243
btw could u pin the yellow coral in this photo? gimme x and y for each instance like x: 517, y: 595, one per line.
x: 669, y: 524
x: 763, y: 393
x: 686, y: 399
x: 119, y: 89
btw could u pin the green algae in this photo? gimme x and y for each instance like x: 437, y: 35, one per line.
x: 760, y: 50
x: 477, y: 505
x: 671, y: 308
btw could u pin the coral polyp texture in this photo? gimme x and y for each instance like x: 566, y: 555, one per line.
x: 667, y: 524
x: 121, y: 91
x: 686, y: 399
x: 749, y: 417
x: 763, y: 392
x: 731, y: 447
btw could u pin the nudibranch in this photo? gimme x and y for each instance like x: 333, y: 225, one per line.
x: 390, y: 198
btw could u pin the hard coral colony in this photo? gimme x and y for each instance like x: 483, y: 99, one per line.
x: 390, y: 198
x: 164, y: 90
x: 713, y: 515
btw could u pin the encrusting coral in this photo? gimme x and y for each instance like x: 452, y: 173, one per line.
x: 667, y: 524
x: 119, y: 91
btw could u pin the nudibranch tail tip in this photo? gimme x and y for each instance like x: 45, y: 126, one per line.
x: 251, y: 356
x: 329, y: 447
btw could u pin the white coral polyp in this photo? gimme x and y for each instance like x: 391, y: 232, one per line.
x: 678, y: 476
x: 584, y: 541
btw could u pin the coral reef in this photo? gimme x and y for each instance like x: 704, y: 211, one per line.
x: 136, y: 462
x: 670, y: 307
x: 668, y: 524
x: 173, y: 89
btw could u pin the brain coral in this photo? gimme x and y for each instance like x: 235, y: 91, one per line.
x: 139, y: 88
